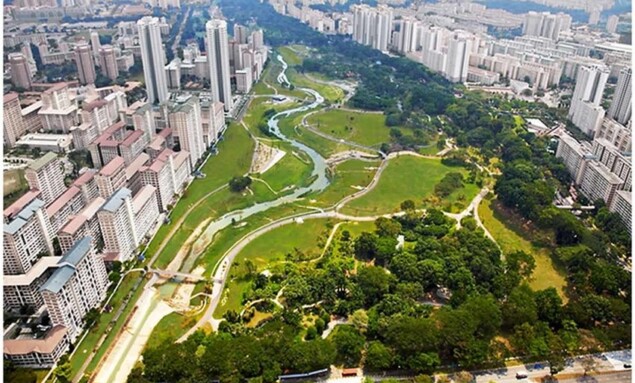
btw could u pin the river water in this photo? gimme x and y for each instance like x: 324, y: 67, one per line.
x: 320, y: 180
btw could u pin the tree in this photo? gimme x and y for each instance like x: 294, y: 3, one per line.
x: 63, y: 372
x: 386, y: 227
x: 91, y: 318
x: 521, y: 263
x: 378, y: 357
x: 520, y: 307
x: 359, y: 320
x: 238, y: 184
x: 549, y: 305
x: 374, y: 282
x: 366, y: 246
x: 349, y: 344
x: 424, y: 362
x: 407, y: 205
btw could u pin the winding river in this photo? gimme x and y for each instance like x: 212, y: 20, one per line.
x: 320, y: 180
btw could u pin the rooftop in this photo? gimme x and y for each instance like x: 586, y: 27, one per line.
x: 42, y: 346
x: 85, y: 178
x: 136, y: 165
x: 110, y: 168
x: 116, y: 200
x: 35, y: 272
x: 23, y: 216
x: 62, y: 200
x: 18, y: 205
x: 42, y: 161
x: 142, y: 197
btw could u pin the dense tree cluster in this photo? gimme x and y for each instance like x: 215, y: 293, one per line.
x: 238, y: 184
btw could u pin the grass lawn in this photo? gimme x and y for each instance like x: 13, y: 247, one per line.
x: 519, y: 121
x: 323, y: 146
x: 104, y: 325
x: 405, y: 177
x: 269, y: 248
x: 509, y: 237
x: 367, y: 129
x: 171, y: 328
x: 294, y: 169
x: 270, y: 76
x: 15, y: 184
x: 331, y: 93
x: 346, y: 175
x: 290, y: 56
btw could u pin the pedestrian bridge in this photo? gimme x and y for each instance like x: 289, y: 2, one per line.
x: 172, y: 274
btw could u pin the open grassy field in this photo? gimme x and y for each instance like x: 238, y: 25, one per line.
x: 346, y: 176
x: 14, y: 186
x: 331, y: 93
x: 171, y: 328
x: 405, y: 177
x: 510, y: 238
x: 326, y: 148
x: 290, y: 56
x: 270, y: 77
x: 268, y: 249
x: 294, y: 169
x: 367, y: 129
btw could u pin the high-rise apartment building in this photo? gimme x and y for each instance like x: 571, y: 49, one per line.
x: 545, y: 24
x: 622, y: 106
x: 94, y: 42
x: 85, y: 63
x: 116, y: 220
x: 59, y: 110
x: 184, y: 118
x: 26, y: 236
x: 372, y: 26
x: 20, y: 71
x: 78, y: 285
x: 153, y: 59
x: 241, y: 33
x: 458, y: 60
x: 46, y: 174
x: 108, y: 62
x: 585, y: 111
x: 218, y: 60
x: 12, y: 122
x: 611, y: 24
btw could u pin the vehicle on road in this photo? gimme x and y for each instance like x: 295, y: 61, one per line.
x: 521, y: 375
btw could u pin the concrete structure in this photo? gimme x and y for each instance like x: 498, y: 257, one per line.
x: 611, y: 23
x: 585, y: 111
x: 618, y: 163
x: 116, y: 220
x: 218, y: 60
x: 168, y: 173
x: 545, y: 24
x: 117, y: 141
x: 146, y: 211
x: 69, y: 203
x: 20, y: 71
x: 617, y: 134
x: 85, y: 63
x: 623, y: 205
x: 83, y: 224
x: 87, y: 185
x: 12, y: 122
x: 108, y: 62
x: 153, y: 58
x: 599, y: 183
x: 78, y: 285
x: 372, y: 26
x: 173, y: 74
x: 459, y: 48
x: 622, y: 105
x: 21, y: 290
x: 111, y: 177
x: 59, y: 110
x: 30, y: 352
x: 243, y: 80
x: 46, y: 174
x: 94, y: 43
x: 184, y: 118
x: 574, y: 156
x: 58, y: 143
x: 27, y: 235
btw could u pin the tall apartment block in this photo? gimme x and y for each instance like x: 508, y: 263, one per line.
x: 12, y: 121
x: 585, y: 111
x: 184, y: 118
x: 78, y: 285
x: 85, y: 63
x: 108, y: 62
x: 622, y: 106
x: 153, y: 59
x: 20, y: 71
x: 218, y: 59
x: 46, y: 174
